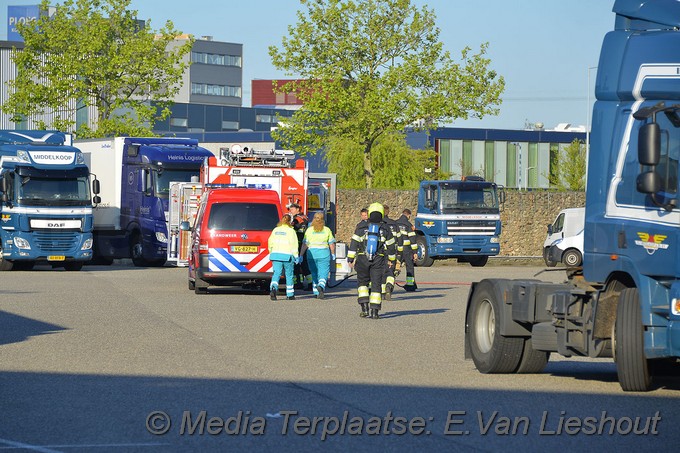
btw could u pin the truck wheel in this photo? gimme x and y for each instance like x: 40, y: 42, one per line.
x: 74, y: 266
x: 532, y: 361
x: 548, y: 261
x: 4, y: 264
x: 422, y: 257
x: 491, y: 352
x: 572, y: 258
x: 478, y: 261
x: 632, y: 367
x: 137, y: 251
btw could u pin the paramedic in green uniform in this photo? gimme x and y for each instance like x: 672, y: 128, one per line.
x: 319, y: 244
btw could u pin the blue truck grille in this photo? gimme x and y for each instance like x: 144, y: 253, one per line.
x: 470, y: 242
x: 56, y: 241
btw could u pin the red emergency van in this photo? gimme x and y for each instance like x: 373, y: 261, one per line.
x: 230, y: 237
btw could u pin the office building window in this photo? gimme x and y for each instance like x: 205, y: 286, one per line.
x: 230, y: 125
x: 209, y: 89
x: 466, y: 164
x: 216, y: 59
x: 489, y: 161
x: 511, y: 166
x: 178, y: 122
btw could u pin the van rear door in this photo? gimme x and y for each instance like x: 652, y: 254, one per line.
x: 239, y: 234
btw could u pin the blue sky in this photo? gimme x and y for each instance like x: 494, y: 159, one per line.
x: 543, y: 48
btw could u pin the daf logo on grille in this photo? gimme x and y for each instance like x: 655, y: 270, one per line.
x: 244, y: 236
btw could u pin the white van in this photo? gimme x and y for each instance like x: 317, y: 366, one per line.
x: 564, y: 243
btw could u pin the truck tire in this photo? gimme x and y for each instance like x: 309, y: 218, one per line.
x: 632, y: 367
x: 490, y: 351
x: 572, y: 258
x: 137, y: 250
x: 4, y: 264
x: 478, y: 261
x: 532, y: 361
x: 422, y: 257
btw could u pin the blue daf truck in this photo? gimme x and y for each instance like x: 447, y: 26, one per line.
x: 135, y: 173
x: 625, y: 301
x: 458, y: 219
x: 46, y: 203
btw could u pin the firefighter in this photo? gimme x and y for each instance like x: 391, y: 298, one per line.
x: 388, y: 278
x: 409, y: 248
x: 373, y: 248
x: 302, y: 277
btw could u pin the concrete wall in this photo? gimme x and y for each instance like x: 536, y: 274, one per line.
x: 525, y: 215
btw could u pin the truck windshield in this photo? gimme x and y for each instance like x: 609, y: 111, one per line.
x: 168, y: 175
x: 44, y: 191
x: 243, y: 216
x: 460, y: 198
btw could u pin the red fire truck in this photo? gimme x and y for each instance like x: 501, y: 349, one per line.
x: 244, y: 194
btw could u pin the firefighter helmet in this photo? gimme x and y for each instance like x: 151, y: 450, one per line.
x: 376, y: 207
x: 375, y: 212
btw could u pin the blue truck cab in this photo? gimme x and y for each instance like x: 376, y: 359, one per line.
x: 458, y: 219
x: 624, y: 303
x: 46, y: 202
x: 135, y: 174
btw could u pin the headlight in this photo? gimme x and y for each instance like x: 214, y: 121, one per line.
x: 21, y: 243
x: 444, y: 240
x: 495, y: 240
x: 23, y: 155
x: 87, y: 245
x: 161, y: 237
x: 80, y: 159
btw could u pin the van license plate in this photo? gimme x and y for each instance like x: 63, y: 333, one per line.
x: 56, y: 258
x: 244, y: 248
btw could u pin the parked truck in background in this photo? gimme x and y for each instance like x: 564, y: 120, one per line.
x: 458, y: 219
x: 46, y: 202
x: 625, y: 304
x: 135, y: 175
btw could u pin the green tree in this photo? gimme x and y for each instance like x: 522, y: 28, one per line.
x: 568, y: 170
x: 370, y: 68
x: 396, y: 165
x: 94, y: 53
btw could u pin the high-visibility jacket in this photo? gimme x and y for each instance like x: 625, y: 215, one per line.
x: 283, y: 244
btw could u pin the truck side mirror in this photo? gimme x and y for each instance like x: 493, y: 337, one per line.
x: 96, y: 199
x: 184, y: 226
x: 649, y: 144
x: 550, y: 230
x: 648, y: 182
x: 501, y: 196
x: 96, y: 188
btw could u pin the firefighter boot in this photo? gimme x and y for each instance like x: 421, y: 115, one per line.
x: 374, y: 313
x: 388, y: 291
x: 364, y: 310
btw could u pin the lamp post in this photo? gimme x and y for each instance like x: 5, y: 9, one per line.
x: 526, y: 183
